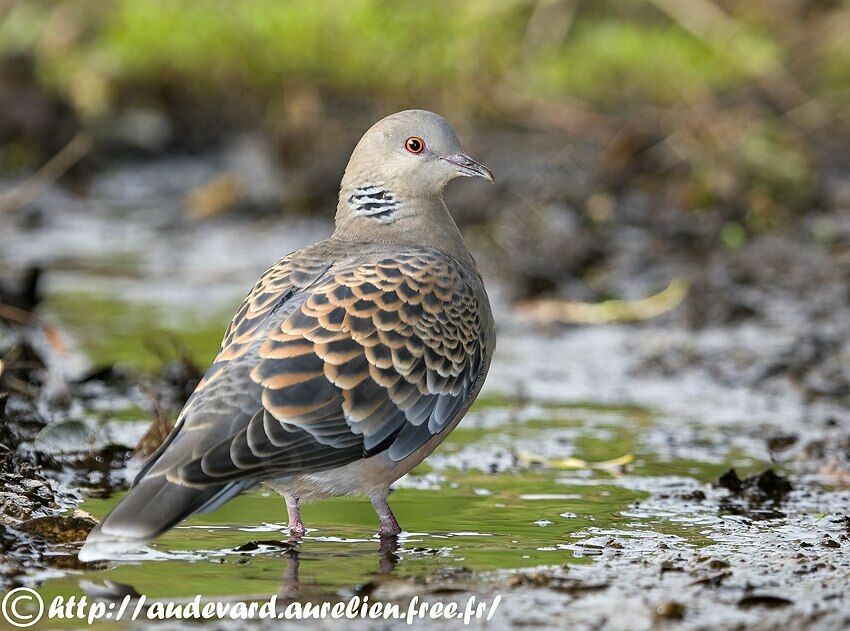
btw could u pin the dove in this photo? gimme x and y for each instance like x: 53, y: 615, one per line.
x: 349, y: 361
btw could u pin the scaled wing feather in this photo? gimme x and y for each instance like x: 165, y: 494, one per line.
x: 330, y: 360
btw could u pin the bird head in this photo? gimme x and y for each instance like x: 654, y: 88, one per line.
x: 412, y: 154
x: 392, y: 188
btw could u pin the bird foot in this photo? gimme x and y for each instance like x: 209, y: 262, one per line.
x: 388, y: 530
x: 297, y: 530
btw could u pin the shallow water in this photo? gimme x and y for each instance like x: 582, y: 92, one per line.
x: 493, y: 497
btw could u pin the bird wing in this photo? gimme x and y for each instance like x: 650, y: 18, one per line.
x: 328, y: 363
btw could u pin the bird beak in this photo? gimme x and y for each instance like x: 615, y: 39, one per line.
x: 468, y: 167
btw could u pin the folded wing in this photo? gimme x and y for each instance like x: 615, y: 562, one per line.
x: 326, y: 365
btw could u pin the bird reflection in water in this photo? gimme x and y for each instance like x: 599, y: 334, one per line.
x: 290, y: 587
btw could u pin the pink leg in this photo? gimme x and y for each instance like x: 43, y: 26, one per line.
x: 389, y: 525
x: 296, y: 526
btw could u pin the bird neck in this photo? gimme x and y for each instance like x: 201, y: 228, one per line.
x: 374, y: 213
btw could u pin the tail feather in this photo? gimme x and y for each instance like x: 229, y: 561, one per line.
x: 150, y: 508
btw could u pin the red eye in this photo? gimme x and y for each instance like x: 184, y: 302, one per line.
x: 414, y: 144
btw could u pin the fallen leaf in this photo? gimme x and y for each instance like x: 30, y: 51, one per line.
x: 214, y: 198
x: 576, y: 463
x: 548, y: 311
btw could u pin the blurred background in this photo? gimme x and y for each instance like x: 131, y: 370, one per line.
x: 624, y: 134
x: 682, y: 159
x: 667, y: 246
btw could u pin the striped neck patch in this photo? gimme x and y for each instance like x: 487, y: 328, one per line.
x: 374, y: 201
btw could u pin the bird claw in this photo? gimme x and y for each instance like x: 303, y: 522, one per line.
x: 388, y: 531
x: 297, y: 530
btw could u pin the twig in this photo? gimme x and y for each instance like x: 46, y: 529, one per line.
x: 576, y: 119
x: 710, y: 23
x: 52, y: 170
x: 158, y: 430
x: 14, y: 314
x: 548, y: 26
x: 21, y: 316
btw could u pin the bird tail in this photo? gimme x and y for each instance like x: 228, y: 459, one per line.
x: 150, y: 508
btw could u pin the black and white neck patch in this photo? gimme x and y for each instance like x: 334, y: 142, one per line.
x: 374, y: 201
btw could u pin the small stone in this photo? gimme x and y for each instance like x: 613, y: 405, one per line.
x: 764, y: 600
x: 59, y: 528
x: 515, y: 581
x: 730, y: 481
x: 671, y: 610
x: 253, y: 546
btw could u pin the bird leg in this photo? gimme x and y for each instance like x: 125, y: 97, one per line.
x: 293, y: 510
x: 389, y: 525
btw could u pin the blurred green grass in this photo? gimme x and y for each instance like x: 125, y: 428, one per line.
x: 613, y: 64
x: 610, y: 54
x: 740, y: 92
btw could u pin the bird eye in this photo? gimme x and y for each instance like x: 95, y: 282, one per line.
x: 414, y: 144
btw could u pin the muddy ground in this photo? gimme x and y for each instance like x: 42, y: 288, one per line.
x: 752, y: 368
